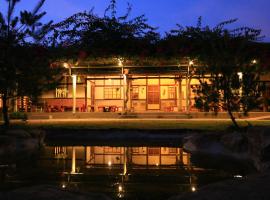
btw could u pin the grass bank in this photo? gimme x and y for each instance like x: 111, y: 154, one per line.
x: 143, y: 124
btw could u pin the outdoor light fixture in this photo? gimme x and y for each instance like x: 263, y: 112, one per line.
x: 109, y: 163
x: 74, y: 80
x: 66, y: 65
x: 120, y: 62
x: 190, y: 63
x: 240, y: 75
x: 254, y: 61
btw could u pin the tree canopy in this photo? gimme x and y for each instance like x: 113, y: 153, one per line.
x: 107, y: 36
x: 24, y: 58
x: 230, y: 72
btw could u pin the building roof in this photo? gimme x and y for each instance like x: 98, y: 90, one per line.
x: 132, y: 70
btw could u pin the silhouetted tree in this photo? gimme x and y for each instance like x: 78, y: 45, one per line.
x: 108, y: 35
x: 24, y: 59
x: 230, y: 74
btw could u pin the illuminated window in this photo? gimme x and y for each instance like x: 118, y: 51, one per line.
x: 135, y: 149
x: 171, y: 93
x: 135, y: 93
x: 153, y: 151
x: 112, y: 150
x: 112, y: 93
x: 172, y: 150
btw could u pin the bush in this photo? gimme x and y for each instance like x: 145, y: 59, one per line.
x: 18, y: 115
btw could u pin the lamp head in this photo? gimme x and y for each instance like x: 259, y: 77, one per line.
x: 66, y: 65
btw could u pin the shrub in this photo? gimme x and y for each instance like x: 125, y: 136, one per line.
x: 18, y: 115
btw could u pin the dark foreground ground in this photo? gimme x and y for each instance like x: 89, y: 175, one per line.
x: 254, y: 187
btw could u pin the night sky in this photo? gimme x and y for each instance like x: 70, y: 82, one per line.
x: 166, y: 13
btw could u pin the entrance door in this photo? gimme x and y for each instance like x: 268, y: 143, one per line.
x: 153, y: 97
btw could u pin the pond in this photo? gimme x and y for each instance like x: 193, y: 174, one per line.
x: 120, y: 172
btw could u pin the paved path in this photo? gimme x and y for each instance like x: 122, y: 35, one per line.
x: 36, y: 121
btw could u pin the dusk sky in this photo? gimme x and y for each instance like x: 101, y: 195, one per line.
x: 166, y: 13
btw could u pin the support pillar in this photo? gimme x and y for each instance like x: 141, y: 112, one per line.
x: 187, y: 94
x: 74, y: 87
x: 180, y: 95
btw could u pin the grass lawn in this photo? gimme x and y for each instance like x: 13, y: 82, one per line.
x: 207, y: 125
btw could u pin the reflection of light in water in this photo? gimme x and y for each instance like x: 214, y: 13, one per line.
x: 63, y: 185
x: 120, y: 188
x: 193, y: 189
x: 120, y: 192
x: 120, y: 195
x: 109, y: 163
x: 238, y: 176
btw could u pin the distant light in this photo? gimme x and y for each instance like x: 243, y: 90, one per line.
x: 254, y: 61
x: 157, y: 164
x: 193, y: 189
x: 238, y: 176
x: 120, y: 62
x: 66, y: 65
x: 64, y: 186
x: 191, y: 62
x: 120, y: 188
x: 109, y: 163
x: 240, y: 74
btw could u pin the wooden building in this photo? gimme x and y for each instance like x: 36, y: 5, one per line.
x: 123, y: 88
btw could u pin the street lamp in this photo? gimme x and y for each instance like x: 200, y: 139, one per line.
x: 120, y: 64
x: 254, y: 61
x: 190, y: 64
x: 74, y: 86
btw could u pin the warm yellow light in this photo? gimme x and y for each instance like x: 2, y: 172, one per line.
x: 193, y: 189
x: 157, y: 164
x: 64, y: 186
x: 66, y: 65
x: 254, y: 61
x: 191, y: 62
x: 240, y: 75
x: 120, y: 188
x: 238, y: 176
x: 109, y: 163
x: 120, y: 62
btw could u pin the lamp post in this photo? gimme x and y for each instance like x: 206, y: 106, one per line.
x: 190, y: 64
x: 120, y: 64
x: 74, y: 94
x: 74, y: 86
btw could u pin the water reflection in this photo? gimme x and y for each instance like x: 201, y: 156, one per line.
x: 122, y: 156
x: 123, y: 171
x: 136, y: 172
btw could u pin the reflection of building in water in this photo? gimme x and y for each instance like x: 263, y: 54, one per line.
x: 128, y: 169
x: 104, y: 155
